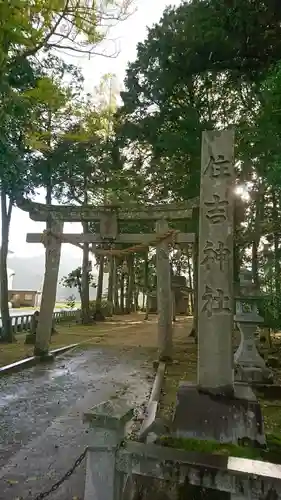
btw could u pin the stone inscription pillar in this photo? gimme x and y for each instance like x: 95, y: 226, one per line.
x: 215, y: 270
x: 164, y: 295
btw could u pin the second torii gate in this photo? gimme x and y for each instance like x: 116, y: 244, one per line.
x: 108, y: 217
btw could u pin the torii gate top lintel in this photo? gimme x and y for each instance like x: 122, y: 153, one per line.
x: 131, y: 211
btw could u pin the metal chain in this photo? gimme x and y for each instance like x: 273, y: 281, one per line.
x: 69, y: 473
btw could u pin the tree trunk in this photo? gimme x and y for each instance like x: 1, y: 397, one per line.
x: 164, y: 296
x: 52, y: 261
x: 53, y: 252
x: 239, y: 217
x: 85, y: 299
x: 6, y: 212
x: 147, y: 307
x: 110, y: 291
x: 194, y: 330
x: 276, y: 241
x: 126, y: 294
x: 190, y: 283
x: 145, y: 290
x: 174, y: 312
x: 115, y: 288
x: 134, y: 291
x: 255, y: 262
x: 173, y: 295
x: 79, y: 287
x: 85, y: 296
x: 256, y: 238
x: 122, y: 294
x: 130, y: 285
x: 100, y: 285
x: 136, y: 300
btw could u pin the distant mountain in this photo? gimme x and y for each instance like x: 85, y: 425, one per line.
x: 29, y: 273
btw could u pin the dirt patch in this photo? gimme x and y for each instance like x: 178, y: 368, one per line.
x: 123, y: 332
x: 135, y: 332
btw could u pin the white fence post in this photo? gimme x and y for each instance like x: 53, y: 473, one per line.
x: 108, y: 427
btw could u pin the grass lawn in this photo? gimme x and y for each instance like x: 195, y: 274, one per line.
x: 122, y: 332
x: 182, y: 368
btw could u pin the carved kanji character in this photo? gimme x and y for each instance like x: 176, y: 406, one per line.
x: 218, y: 166
x: 215, y: 301
x: 216, y: 212
x: 219, y: 254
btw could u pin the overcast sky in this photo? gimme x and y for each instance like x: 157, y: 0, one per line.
x: 127, y: 34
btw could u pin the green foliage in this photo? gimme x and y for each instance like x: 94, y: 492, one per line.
x: 267, y: 132
x: 37, y: 107
x: 26, y: 28
x: 71, y: 301
x: 33, y: 100
x: 212, y: 447
x: 272, y: 453
x: 104, y: 307
x: 73, y: 280
x: 82, y: 166
x: 167, y: 104
x: 270, y: 309
x: 15, y: 156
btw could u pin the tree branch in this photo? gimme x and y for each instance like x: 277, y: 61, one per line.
x: 44, y: 42
x: 9, y: 211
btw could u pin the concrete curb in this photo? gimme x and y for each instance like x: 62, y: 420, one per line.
x: 32, y: 361
x: 153, y: 402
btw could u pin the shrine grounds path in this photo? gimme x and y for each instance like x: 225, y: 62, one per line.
x: 41, y: 408
x: 71, y: 333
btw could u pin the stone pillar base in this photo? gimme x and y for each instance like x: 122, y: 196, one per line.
x: 253, y: 375
x: 44, y: 356
x: 233, y: 419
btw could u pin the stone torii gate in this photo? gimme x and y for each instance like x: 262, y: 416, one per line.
x: 108, y: 217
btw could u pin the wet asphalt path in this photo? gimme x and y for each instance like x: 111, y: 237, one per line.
x: 41, y: 408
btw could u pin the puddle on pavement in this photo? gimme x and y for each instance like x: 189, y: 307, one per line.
x: 8, y: 398
x: 58, y: 372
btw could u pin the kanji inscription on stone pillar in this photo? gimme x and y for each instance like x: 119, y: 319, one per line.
x: 215, y: 273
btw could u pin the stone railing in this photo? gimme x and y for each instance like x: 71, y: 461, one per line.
x: 112, y: 463
x: 22, y: 322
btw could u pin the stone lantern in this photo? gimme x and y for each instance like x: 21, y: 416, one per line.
x: 250, y: 367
